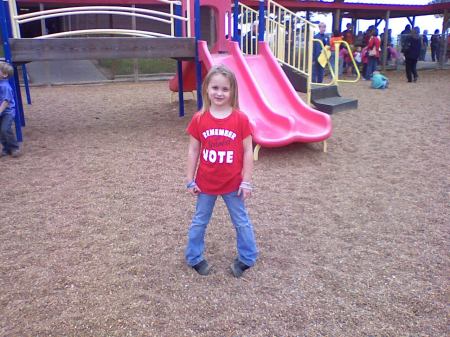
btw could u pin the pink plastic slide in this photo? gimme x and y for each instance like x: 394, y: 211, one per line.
x: 277, y: 114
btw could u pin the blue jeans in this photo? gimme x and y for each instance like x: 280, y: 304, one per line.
x: 7, y: 137
x: 246, y: 244
x: 317, y: 72
x: 371, y: 66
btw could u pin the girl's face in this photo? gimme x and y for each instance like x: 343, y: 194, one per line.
x: 219, y: 91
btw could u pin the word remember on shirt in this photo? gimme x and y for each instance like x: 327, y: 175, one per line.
x: 214, y: 156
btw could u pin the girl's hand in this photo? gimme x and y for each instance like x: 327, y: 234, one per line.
x: 245, y: 190
x: 194, y: 191
x: 244, y: 193
x: 193, y: 188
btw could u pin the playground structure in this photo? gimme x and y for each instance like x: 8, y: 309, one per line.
x: 289, y: 39
x: 278, y: 116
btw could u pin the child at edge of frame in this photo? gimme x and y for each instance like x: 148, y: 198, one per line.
x: 220, y: 162
x: 8, y: 140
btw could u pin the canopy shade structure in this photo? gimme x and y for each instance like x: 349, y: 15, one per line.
x: 360, y: 10
x: 348, y: 10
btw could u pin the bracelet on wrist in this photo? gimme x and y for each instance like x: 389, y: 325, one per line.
x: 246, y: 185
x: 191, y: 184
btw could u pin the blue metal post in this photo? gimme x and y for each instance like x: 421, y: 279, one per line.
x: 18, y: 96
x: 25, y: 81
x: 19, y: 103
x: 262, y: 22
x: 198, y: 66
x: 6, y: 34
x: 179, y: 33
x: 25, y: 78
x: 236, y: 36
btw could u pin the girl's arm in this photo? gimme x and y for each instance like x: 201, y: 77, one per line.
x: 3, y: 106
x: 192, y: 160
x: 247, y: 170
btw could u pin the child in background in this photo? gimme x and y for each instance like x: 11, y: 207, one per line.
x: 7, y: 113
x: 221, y: 146
x: 335, y: 38
x: 365, y: 60
x: 394, y: 54
x: 357, y: 55
x: 379, y: 81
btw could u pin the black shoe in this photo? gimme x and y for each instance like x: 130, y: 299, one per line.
x: 202, y: 268
x: 4, y: 153
x: 238, y: 268
x: 415, y: 78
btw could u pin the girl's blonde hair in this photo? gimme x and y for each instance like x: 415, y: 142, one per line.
x: 227, y: 73
x: 6, y: 69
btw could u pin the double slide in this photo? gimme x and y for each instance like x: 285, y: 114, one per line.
x: 277, y: 114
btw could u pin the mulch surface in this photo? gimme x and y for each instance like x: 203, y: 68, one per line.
x: 353, y: 242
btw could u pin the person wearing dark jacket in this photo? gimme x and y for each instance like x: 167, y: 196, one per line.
x: 435, y: 41
x: 412, y: 52
x: 317, y: 69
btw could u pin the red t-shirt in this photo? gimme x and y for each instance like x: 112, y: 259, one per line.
x: 221, y: 150
x: 374, y: 42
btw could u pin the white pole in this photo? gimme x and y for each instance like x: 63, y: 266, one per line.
x: 135, y: 61
x: 43, y: 27
x: 12, y: 14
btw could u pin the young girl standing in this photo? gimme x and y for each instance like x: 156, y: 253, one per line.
x: 220, y: 162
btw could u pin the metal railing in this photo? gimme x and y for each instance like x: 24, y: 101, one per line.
x: 248, y: 23
x: 336, y: 62
x: 152, y: 15
x: 289, y: 37
x: 286, y: 34
x: 334, y: 68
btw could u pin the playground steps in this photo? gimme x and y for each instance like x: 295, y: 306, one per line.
x: 297, y: 79
x: 327, y: 99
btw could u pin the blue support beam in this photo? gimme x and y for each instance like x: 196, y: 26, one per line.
x: 179, y: 33
x: 198, y: 66
x: 262, y: 22
x: 5, y: 24
x: 25, y: 81
x: 236, y: 35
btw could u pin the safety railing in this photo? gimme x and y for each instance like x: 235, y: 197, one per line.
x: 335, y: 68
x: 289, y: 37
x: 285, y: 33
x: 336, y: 62
x: 169, y: 18
x: 249, y: 28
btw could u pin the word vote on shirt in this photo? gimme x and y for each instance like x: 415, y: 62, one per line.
x: 216, y: 139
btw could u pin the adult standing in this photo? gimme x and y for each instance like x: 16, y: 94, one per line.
x: 318, y: 70
x: 373, y: 50
x: 412, y: 52
x: 435, y: 46
x: 424, y: 45
x: 348, y: 35
x: 367, y: 35
x: 404, y: 36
